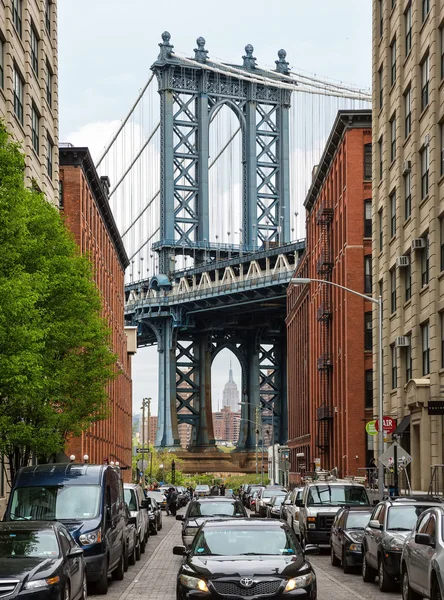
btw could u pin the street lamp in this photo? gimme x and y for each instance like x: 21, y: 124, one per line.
x: 378, y: 301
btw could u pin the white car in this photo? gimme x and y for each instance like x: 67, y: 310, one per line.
x: 202, y: 490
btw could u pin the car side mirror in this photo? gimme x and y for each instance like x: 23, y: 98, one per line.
x: 144, y: 504
x: 132, y: 520
x: 179, y: 517
x: 75, y: 552
x: 299, y: 503
x: 311, y: 549
x: 179, y: 550
x: 374, y: 524
x: 425, y: 539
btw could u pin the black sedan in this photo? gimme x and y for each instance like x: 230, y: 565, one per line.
x: 245, y: 557
x: 40, y: 561
x: 347, y: 532
x: 203, y: 509
x: 155, y: 516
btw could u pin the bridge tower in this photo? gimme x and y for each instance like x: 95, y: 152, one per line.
x: 189, y: 336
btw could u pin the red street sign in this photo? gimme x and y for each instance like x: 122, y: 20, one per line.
x: 389, y: 424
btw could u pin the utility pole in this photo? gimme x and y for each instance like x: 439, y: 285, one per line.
x: 145, y: 402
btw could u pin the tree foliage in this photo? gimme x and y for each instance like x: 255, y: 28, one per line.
x: 55, y: 358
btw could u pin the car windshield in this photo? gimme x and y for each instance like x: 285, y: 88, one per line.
x: 278, y: 500
x: 130, y: 499
x: 358, y: 520
x: 271, y: 493
x: 69, y: 502
x: 211, y: 509
x: 237, y: 541
x: 403, y: 518
x: 337, y: 495
x: 202, y: 488
x: 24, y: 544
x: 158, y: 496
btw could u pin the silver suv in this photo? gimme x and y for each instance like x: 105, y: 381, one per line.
x: 138, y: 506
x: 319, y: 504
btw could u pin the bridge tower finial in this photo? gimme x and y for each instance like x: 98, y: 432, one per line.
x: 282, y: 64
x: 165, y: 47
x: 249, y: 59
x: 200, y: 54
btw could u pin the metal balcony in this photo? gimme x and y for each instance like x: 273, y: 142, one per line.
x: 324, y: 413
x: 325, y: 362
x: 324, y: 312
x: 324, y: 216
x: 324, y: 264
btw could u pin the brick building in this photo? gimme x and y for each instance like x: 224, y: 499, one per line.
x: 226, y: 425
x: 84, y: 201
x: 330, y: 389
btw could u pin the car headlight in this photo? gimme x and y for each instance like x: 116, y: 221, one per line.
x: 133, y: 513
x: 92, y: 537
x: 355, y: 547
x: 190, y: 530
x: 394, y: 544
x: 39, y: 583
x: 300, y: 582
x: 193, y: 583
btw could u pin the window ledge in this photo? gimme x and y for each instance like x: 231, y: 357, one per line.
x: 408, y: 55
x: 441, y: 371
x: 393, y: 163
x: 423, y: 201
x: 441, y: 179
x: 441, y: 276
x: 407, y: 221
x: 393, y: 391
x: 407, y: 303
x: 424, y: 289
x: 441, y: 85
x: 392, y: 239
x: 425, y: 21
x: 424, y: 111
x: 392, y: 315
x: 407, y: 139
x: 19, y: 124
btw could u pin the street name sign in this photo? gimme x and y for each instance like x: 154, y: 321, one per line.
x: 142, y: 450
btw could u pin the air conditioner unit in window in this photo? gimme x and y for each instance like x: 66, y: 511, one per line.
x: 402, y: 261
x: 406, y: 166
x: 418, y: 243
x: 402, y: 341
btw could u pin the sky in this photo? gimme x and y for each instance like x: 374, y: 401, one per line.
x: 106, y: 48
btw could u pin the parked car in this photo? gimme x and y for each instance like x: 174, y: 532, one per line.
x: 264, y: 497
x: 391, y: 522
x: 245, y: 557
x: 89, y: 500
x: 159, y: 497
x: 204, y: 509
x: 248, y: 494
x: 138, y: 505
x: 252, y: 500
x: 290, y: 509
x: 319, y: 503
x: 347, y: 532
x: 40, y: 560
x: 202, y: 490
x: 182, y: 496
x: 274, y: 507
x: 155, y: 516
x: 132, y: 540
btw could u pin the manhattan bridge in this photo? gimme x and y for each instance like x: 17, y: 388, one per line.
x: 209, y: 170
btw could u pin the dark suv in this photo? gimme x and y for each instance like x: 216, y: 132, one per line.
x: 391, y: 522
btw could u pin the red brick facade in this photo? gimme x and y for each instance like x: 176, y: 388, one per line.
x: 84, y: 201
x: 327, y: 362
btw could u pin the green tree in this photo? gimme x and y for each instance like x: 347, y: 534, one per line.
x: 55, y: 357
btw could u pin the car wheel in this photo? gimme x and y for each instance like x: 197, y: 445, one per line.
x: 368, y: 573
x: 125, y: 559
x: 154, y: 529
x: 101, y: 586
x: 142, y: 546
x: 333, y: 558
x: 160, y: 523
x: 138, y: 553
x: 386, y: 582
x: 345, y: 566
x: 132, y: 556
x: 66, y: 592
x: 119, y: 571
x: 407, y: 592
x: 436, y: 591
x: 84, y: 594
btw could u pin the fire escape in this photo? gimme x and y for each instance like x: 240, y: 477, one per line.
x: 324, y: 266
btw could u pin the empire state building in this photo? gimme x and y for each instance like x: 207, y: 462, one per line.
x: 230, y: 395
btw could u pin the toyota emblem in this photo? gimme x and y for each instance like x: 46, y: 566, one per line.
x: 246, y: 582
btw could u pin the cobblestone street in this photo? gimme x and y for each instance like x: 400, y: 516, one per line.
x: 154, y: 576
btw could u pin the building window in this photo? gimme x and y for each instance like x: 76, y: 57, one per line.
x: 393, y: 290
x: 368, y: 331
x: 424, y: 172
x: 441, y: 41
x: 425, y: 73
x: 425, y: 349
x: 367, y: 161
x: 18, y: 95
x: 35, y: 130
x: 34, y: 50
x: 408, y: 361
x: 17, y: 15
x: 408, y: 195
x: 394, y: 367
x: 441, y: 318
x: 381, y: 87
x: 392, y: 214
x: 367, y: 218
x: 49, y: 158
x: 408, y: 112
x: 425, y: 262
x: 61, y: 198
x: 408, y: 29
x: 2, y: 63
x: 369, y: 388
x: 408, y: 280
x: 393, y: 138
x: 381, y: 18
x: 380, y: 229
x: 425, y: 9
x: 368, y: 274
x: 380, y: 157
x: 393, y: 62
x: 441, y: 132
x: 48, y: 16
x: 48, y: 84
x: 441, y: 242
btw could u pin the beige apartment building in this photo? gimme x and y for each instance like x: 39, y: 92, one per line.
x: 29, y: 99
x: 28, y: 86
x: 408, y: 220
